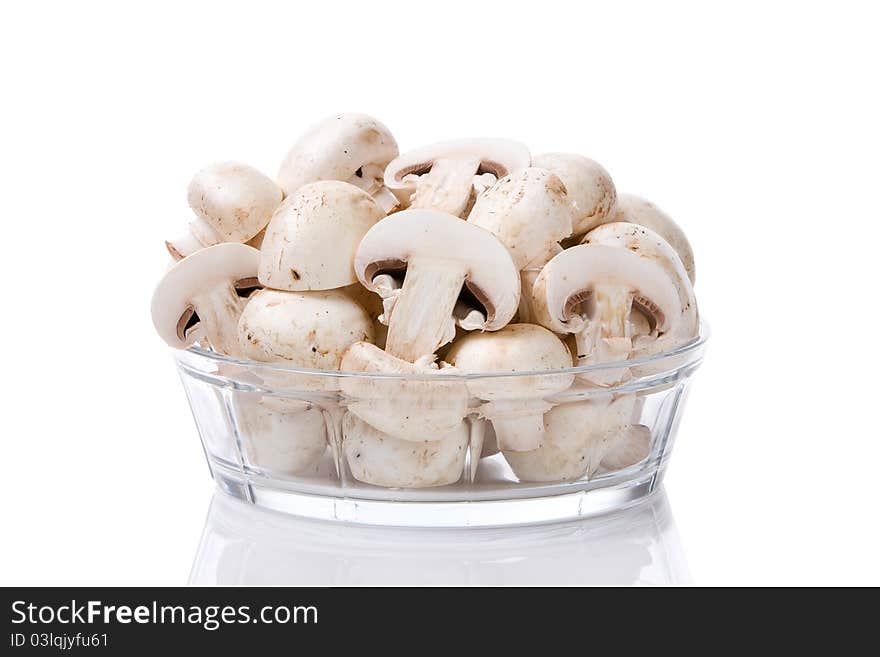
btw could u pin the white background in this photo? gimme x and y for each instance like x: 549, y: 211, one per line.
x: 755, y: 126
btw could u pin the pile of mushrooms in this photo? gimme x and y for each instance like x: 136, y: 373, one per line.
x: 462, y: 257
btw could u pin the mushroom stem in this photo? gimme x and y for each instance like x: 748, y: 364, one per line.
x: 421, y: 320
x: 448, y: 186
x: 219, y: 310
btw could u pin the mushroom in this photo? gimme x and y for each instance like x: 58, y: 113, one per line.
x: 590, y: 188
x: 382, y: 460
x: 438, y: 256
x: 529, y: 211
x: 302, y: 329
x: 629, y: 448
x: 422, y: 404
x: 590, y: 290
x: 232, y: 202
x: 515, y: 404
x: 199, y: 295
x: 312, y: 238
x: 287, y: 438
x: 577, y: 436
x: 449, y: 175
x: 636, y: 210
x: 352, y: 148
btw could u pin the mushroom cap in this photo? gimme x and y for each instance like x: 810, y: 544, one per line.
x: 312, y: 238
x: 490, y: 273
x: 198, y: 274
x: 377, y: 458
x: 570, y: 277
x: 637, y: 210
x: 303, y: 329
x: 590, y: 188
x: 515, y: 348
x: 336, y: 149
x: 498, y: 157
x: 577, y: 436
x: 234, y: 199
x: 528, y: 210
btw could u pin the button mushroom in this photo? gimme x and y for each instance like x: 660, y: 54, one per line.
x: 302, y: 329
x: 636, y: 210
x: 577, y: 436
x: 198, y: 296
x: 590, y: 290
x: 352, y: 148
x: 590, y: 188
x: 516, y: 404
x: 529, y: 211
x: 382, y: 460
x: 439, y: 257
x: 312, y: 238
x: 232, y: 203
x: 447, y: 176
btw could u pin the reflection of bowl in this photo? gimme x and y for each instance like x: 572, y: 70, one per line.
x: 243, y: 545
x: 296, y: 441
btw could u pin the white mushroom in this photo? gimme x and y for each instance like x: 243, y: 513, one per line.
x: 577, y: 436
x: 529, y: 211
x: 312, y: 238
x: 438, y: 257
x: 590, y: 188
x: 629, y: 448
x: 515, y: 404
x: 199, y: 296
x: 590, y: 290
x: 382, y: 460
x: 302, y: 329
x: 449, y: 175
x: 636, y: 210
x: 407, y: 408
x: 232, y: 203
x: 286, y: 438
x: 527, y: 277
x: 352, y: 148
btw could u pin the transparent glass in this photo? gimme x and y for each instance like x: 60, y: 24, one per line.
x: 404, y: 450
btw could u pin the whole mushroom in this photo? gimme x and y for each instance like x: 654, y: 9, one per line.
x: 232, y: 203
x: 636, y: 210
x: 448, y: 176
x: 383, y: 460
x: 514, y: 404
x: 352, y: 148
x: 590, y: 188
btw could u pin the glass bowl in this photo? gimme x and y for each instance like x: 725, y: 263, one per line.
x: 403, y: 450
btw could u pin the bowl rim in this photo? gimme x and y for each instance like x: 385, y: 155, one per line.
x: 689, y: 349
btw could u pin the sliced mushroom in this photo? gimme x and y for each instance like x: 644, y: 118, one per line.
x: 448, y: 175
x: 312, y: 238
x: 515, y: 404
x: 410, y: 408
x: 232, y: 202
x: 438, y: 256
x: 382, y: 460
x: 590, y: 188
x: 529, y: 211
x: 636, y: 210
x: 590, y: 290
x: 577, y: 436
x: 198, y: 296
x: 352, y: 148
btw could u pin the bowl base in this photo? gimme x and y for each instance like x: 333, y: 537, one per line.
x: 514, y: 511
